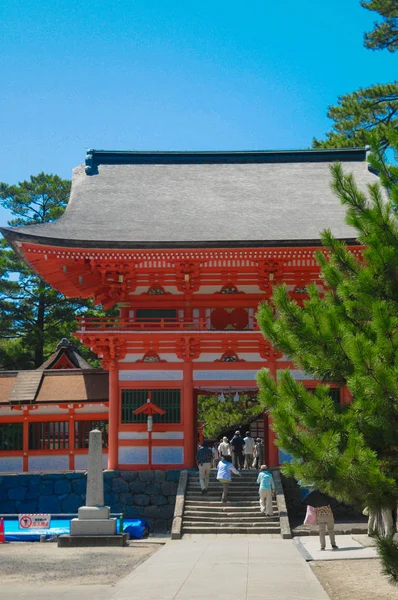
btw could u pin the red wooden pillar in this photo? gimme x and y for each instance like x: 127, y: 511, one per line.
x: 25, y: 443
x: 189, y: 415
x: 113, y: 427
x: 71, y: 440
x: 273, y: 452
x: 266, y: 438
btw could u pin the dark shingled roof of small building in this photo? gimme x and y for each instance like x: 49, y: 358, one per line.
x: 201, y: 199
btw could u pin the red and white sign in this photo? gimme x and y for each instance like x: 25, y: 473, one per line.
x: 34, y: 521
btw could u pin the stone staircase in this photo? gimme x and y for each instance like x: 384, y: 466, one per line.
x: 241, y: 514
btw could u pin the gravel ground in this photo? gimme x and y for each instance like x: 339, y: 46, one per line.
x: 40, y: 563
x: 354, y: 579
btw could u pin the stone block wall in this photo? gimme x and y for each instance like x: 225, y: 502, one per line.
x: 145, y: 494
x: 296, y: 509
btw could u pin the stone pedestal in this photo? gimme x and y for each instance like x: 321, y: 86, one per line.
x: 93, y: 519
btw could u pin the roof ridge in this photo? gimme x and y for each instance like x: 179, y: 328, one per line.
x: 94, y: 158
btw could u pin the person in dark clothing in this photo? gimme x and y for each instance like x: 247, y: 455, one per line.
x: 237, y: 445
x: 204, y: 459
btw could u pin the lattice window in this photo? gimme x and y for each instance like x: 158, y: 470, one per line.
x: 82, y: 432
x: 168, y: 400
x: 53, y: 435
x: 11, y: 436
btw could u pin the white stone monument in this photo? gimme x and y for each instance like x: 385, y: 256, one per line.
x: 93, y: 519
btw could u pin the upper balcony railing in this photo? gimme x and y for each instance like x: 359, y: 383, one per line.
x: 128, y: 324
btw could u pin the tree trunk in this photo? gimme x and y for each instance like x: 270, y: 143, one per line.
x: 381, y: 522
x: 39, y: 342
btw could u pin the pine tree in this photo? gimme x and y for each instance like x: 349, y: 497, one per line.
x: 347, y: 335
x: 33, y: 316
x: 385, y: 34
x: 356, y: 115
x: 374, y: 108
x: 216, y: 416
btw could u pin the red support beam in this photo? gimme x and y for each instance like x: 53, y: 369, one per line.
x: 113, y: 442
x: 189, y: 415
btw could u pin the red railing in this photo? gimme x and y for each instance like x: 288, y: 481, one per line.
x: 127, y: 324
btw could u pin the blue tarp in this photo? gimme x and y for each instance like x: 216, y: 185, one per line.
x: 137, y: 528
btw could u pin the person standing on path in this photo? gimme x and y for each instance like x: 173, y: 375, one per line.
x: 259, y: 453
x: 224, y: 449
x: 249, y: 450
x: 265, y: 490
x: 204, y: 459
x: 224, y: 470
x: 325, y: 518
x: 237, y: 444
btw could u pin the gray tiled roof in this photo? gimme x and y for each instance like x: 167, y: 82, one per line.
x: 182, y: 202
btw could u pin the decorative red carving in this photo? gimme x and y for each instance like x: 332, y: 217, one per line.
x: 187, y: 348
x: 151, y: 357
x: 229, y: 356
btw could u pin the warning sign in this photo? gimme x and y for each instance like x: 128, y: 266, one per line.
x: 34, y: 521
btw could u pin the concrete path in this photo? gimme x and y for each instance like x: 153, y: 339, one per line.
x: 348, y: 548
x: 200, y: 568
x: 223, y: 568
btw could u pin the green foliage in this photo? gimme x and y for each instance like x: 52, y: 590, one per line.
x: 347, y: 335
x: 33, y: 316
x: 385, y: 34
x: 217, y: 417
x: 388, y: 552
x: 374, y: 108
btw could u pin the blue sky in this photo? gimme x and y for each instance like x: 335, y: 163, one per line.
x: 176, y: 75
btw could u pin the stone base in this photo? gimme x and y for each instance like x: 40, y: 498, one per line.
x: 93, y: 512
x: 87, y: 541
x: 79, y: 527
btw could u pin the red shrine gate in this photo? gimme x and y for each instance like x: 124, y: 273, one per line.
x: 186, y: 308
x: 208, y: 340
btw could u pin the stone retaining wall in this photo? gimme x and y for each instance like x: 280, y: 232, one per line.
x: 296, y: 509
x: 147, y: 494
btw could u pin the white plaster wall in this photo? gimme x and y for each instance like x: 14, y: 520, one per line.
x: 167, y: 455
x: 49, y: 463
x: 92, y: 408
x: 150, y: 375
x: 133, y: 435
x: 11, y: 464
x: 235, y: 375
x: 168, y: 435
x: 6, y: 411
x: 133, y: 455
x: 49, y: 410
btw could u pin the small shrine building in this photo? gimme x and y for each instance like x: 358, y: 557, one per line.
x: 185, y: 245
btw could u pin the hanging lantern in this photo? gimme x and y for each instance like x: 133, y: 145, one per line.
x: 222, y: 397
x: 236, y: 397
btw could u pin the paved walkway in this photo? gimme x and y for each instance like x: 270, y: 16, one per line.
x: 248, y: 568
x: 348, y: 548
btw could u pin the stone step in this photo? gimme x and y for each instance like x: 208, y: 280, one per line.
x: 235, y: 524
x: 213, y: 502
x: 214, y: 497
x: 230, y: 529
x: 259, y: 520
x: 235, y: 484
x: 221, y: 509
x: 229, y: 510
